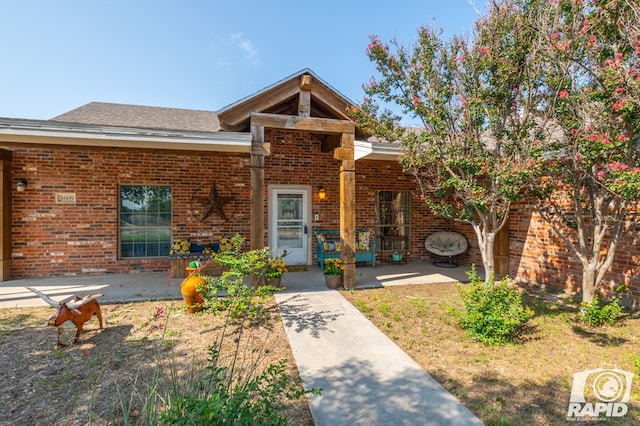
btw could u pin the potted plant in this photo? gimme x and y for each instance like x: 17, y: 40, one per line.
x: 333, y: 272
x: 274, y: 272
x: 190, y: 287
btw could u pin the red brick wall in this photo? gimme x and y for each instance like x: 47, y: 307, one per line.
x: 296, y: 157
x: 52, y: 239
x: 537, y: 255
x: 373, y: 176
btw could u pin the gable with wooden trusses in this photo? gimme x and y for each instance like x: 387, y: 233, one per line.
x: 302, y: 94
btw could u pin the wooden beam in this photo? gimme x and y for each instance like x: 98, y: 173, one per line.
x: 304, y: 97
x: 501, y: 252
x: 234, y: 118
x: 310, y: 124
x: 343, y: 154
x: 257, y: 188
x: 260, y: 149
x: 348, y: 211
x: 305, y: 82
x: 333, y: 103
x: 6, y: 180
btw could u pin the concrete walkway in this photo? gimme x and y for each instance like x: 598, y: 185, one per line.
x: 366, y: 379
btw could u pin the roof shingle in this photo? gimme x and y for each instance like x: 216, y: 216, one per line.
x: 146, y: 117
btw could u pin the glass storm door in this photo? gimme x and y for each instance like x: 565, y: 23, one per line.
x: 289, y: 222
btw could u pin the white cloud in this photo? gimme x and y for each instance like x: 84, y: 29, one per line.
x: 240, y: 41
x: 228, y: 48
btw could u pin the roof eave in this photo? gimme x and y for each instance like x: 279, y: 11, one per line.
x: 47, y: 132
x: 380, y: 151
x: 278, y: 83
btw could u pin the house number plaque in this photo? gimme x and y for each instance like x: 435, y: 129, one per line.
x: 65, y: 197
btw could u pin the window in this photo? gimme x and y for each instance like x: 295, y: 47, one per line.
x: 145, y: 221
x: 393, y: 220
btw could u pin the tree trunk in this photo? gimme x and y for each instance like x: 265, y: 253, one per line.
x: 486, y: 241
x: 588, y: 284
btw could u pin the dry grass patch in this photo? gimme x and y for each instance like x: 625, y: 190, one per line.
x: 105, y: 378
x: 517, y: 384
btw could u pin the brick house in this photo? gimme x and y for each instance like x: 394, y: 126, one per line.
x: 110, y: 186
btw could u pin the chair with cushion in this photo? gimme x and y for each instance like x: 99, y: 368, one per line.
x: 446, y: 245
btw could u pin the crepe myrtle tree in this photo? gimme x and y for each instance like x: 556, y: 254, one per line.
x: 588, y: 173
x: 469, y: 154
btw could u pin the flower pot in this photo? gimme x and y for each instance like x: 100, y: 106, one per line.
x: 333, y: 281
x: 273, y: 282
x: 189, y: 291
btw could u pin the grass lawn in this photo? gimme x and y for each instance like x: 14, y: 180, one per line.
x: 519, y: 384
x: 125, y: 373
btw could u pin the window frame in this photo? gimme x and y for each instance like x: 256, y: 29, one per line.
x: 390, y: 218
x: 143, y: 248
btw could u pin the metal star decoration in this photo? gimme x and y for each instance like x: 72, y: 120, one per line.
x: 214, y: 202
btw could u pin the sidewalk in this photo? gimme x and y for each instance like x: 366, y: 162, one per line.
x: 366, y: 379
x: 117, y: 288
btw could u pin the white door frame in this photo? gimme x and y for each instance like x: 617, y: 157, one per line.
x: 306, y: 214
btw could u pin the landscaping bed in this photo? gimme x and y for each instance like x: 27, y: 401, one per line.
x: 517, y: 384
x: 109, y: 376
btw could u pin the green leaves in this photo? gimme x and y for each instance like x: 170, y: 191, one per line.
x: 468, y: 97
x: 599, y: 313
x: 223, y: 396
x: 493, y: 311
x: 229, y: 292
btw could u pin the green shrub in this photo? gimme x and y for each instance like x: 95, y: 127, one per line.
x: 221, y: 397
x: 229, y: 292
x: 599, y: 313
x: 493, y: 311
x: 235, y: 390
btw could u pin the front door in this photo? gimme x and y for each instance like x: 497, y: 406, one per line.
x: 288, y: 223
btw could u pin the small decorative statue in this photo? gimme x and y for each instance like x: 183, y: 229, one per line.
x: 76, y: 309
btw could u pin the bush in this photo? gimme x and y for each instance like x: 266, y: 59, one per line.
x: 493, y: 311
x: 233, y: 389
x: 598, y: 313
x: 229, y: 292
x: 223, y: 397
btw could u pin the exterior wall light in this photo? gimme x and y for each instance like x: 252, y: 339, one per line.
x: 22, y: 185
x: 322, y: 194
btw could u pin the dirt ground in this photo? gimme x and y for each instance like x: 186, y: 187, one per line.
x: 528, y: 383
x: 106, y: 377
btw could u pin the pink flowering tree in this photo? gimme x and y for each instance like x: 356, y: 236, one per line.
x: 469, y: 153
x: 588, y: 175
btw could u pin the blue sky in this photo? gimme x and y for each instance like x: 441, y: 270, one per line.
x: 59, y: 55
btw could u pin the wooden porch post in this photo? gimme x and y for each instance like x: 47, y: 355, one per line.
x: 347, y: 207
x: 258, y: 151
x: 6, y: 166
x: 501, y: 252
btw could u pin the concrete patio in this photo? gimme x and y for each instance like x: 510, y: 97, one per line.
x: 118, y: 288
